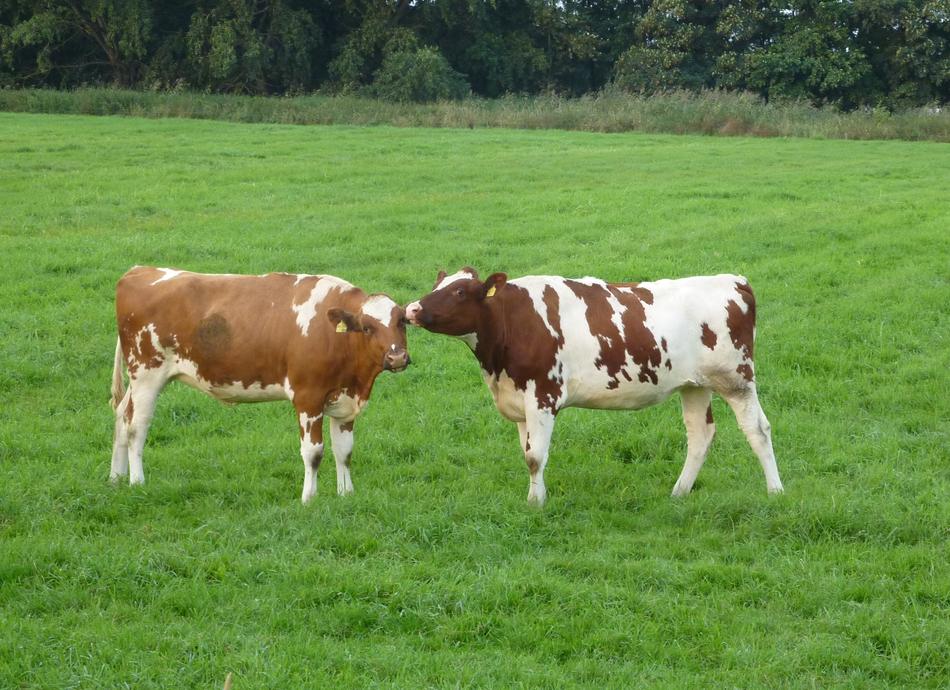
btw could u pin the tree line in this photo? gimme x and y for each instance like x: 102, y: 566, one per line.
x: 848, y: 53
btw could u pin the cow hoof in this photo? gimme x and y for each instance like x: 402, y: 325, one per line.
x: 680, y: 491
x: 776, y: 490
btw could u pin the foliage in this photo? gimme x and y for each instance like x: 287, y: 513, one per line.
x: 418, y: 76
x: 673, y: 48
x: 364, y: 50
x: 250, y: 46
x: 436, y: 574
x: 871, y: 53
x: 70, y: 40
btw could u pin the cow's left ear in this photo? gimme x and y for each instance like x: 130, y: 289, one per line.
x: 494, y: 282
x: 343, y: 320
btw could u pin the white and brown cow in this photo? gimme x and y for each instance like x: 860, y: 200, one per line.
x: 315, y: 340
x: 545, y: 343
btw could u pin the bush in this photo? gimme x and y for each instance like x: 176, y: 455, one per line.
x: 420, y: 76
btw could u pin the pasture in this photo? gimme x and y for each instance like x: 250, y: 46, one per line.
x: 436, y: 573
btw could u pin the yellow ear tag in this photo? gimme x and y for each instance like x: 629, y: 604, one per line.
x: 491, y: 292
x: 341, y: 327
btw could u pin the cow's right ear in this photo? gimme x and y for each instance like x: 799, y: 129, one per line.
x: 439, y: 279
x: 493, y: 283
x: 343, y: 320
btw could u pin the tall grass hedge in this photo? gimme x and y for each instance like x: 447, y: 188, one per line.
x: 679, y: 112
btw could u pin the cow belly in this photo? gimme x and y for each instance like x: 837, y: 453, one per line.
x: 627, y: 396
x: 228, y: 392
x: 510, y: 400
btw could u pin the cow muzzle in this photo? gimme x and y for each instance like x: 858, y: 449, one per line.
x: 414, y: 313
x: 396, y: 359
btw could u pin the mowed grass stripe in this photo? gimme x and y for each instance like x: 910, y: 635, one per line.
x: 436, y: 573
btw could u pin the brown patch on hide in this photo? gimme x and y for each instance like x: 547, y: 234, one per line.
x: 746, y: 371
x: 708, y: 338
x: 640, y: 341
x: 599, y: 313
x: 741, y: 324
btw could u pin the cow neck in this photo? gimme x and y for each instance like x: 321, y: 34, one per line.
x: 352, y: 375
x: 491, y: 349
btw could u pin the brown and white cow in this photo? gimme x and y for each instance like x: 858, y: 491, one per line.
x: 315, y: 340
x: 545, y: 343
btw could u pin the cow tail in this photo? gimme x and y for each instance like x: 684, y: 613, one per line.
x: 118, y: 388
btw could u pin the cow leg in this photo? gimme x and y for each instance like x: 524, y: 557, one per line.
x: 120, y: 441
x: 700, y: 429
x: 311, y: 450
x: 143, y: 392
x: 757, y: 430
x: 341, y: 435
x: 538, y: 427
x: 522, y: 433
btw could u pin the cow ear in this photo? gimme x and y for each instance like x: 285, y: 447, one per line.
x: 494, y: 282
x: 343, y: 320
x: 439, y: 279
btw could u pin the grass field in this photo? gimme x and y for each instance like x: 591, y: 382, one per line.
x: 436, y: 573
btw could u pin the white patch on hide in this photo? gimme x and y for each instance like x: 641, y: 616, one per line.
x: 306, y: 311
x: 379, y: 307
x: 167, y: 274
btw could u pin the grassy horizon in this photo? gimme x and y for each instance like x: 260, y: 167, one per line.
x: 436, y: 573
x: 716, y: 113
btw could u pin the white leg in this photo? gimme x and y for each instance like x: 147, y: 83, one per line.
x: 522, y: 433
x: 341, y: 435
x: 311, y: 452
x: 144, y: 392
x: 700, y: 429
x: 120, y: 441
x: 538, y: 427
x: 758, y: 431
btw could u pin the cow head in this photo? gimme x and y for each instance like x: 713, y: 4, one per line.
x: 456, y: 302
x: 380, y: 329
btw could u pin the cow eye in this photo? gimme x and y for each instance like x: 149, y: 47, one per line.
x: 459, y: 292
x: 367, y: 329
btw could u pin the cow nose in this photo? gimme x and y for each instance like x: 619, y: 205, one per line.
x: 396, y: 360
x: 412, y: 313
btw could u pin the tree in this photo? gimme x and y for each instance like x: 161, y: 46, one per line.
x: 850, y: 53
x: 98, y: 38
x: 375, y: 31
x: 418, y: 75
x: 676, y: 47
x: 251, y: 46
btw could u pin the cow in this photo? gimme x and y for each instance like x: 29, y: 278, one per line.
x: 315, y: 340
x: 545, y: 343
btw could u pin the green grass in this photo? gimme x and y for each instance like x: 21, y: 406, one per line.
x: 436, y: 573
x: 720, y: 113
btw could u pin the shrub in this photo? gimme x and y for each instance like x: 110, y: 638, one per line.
x: 420, y: 75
